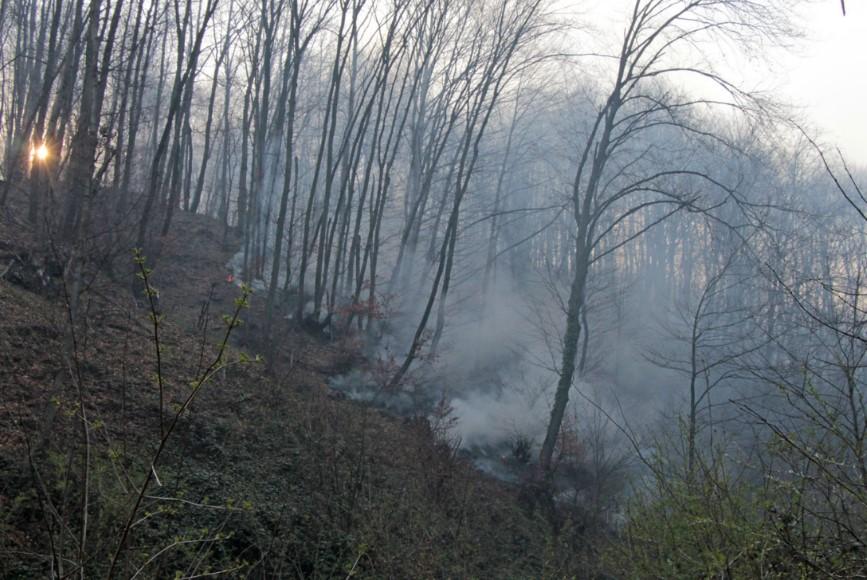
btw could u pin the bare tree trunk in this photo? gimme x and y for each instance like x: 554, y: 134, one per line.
x: 206, y: 152
x: 155, y: 178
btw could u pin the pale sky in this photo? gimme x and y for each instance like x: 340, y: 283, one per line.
x: 824, y: 75
x: 828, y: 76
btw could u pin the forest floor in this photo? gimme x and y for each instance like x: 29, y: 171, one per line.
x: 268, y: 474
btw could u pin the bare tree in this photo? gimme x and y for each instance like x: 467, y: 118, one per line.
x: 514, y: 28
x: 619, y: 178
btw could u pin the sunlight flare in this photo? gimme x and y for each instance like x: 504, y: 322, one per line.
x: 39, y: 153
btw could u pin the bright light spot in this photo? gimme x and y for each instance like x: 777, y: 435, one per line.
x: 39, y: 153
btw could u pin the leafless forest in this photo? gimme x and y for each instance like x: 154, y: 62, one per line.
x: 423, y: 289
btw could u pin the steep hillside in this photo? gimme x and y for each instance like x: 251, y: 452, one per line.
x: 264, y: 476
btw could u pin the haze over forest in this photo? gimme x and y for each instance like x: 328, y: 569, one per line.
x: 429, y: 288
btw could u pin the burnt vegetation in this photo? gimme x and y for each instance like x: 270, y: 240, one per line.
x: 422, y: 289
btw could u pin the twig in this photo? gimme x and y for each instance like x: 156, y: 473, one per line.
x: 232, y: 322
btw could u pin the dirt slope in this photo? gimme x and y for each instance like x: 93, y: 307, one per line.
x: 266, y: 476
